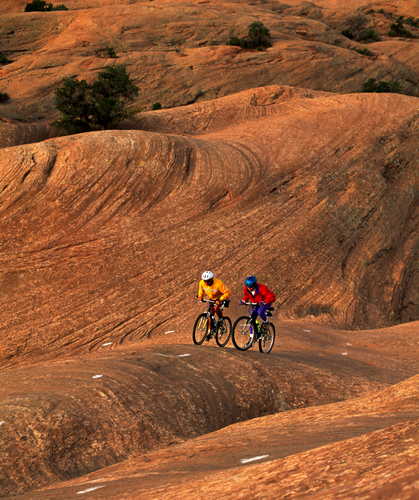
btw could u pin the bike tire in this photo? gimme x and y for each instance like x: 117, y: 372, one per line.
x: 200, y: 329
x: 240, y: 335
x: 267, y: 339
x: 223, y: 333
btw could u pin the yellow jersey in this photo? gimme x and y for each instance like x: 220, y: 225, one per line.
x: 216, y: 291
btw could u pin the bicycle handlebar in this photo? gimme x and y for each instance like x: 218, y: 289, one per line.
x: 254, y: 304
x: 214, y: 301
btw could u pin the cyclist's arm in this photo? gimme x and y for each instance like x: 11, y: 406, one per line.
x: 225, y: 292
x: 200, y: 291
x: 246, y: 296
x: 268, y: 296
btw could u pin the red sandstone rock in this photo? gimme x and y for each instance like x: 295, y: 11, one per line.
x: 104, y: 236
x: 177, y: 53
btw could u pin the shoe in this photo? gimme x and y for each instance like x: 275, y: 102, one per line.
x: 220, y: 321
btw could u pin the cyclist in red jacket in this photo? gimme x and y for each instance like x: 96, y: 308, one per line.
x: 257, y: 293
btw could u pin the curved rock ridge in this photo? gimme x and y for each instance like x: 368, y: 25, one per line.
x: 317, y: 195
x: 365, y: 446
x: 13, y: 134
x: 178, y: 54
x: 65, y: 419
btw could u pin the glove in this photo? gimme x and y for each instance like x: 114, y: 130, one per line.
x: 200, y: 299
x: 262, y: 303
x: 241, y: 302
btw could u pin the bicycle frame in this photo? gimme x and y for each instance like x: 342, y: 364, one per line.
x: 207, y: 327
x: 253, y: 307
x: 211, y: 308
x: 246, y: 332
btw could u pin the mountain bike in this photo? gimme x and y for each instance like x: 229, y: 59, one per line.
x: 245, y: 329
x: 206, y: 326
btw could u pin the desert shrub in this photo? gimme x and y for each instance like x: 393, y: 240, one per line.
x: 110, y: 52
x: 156, y: 106
x: 381, y: 11
x: 257, y: 37
x: 348, y: 34
x: 410, y: 21
x: 364, y: 52
x: 397, y: 29
x: 4, y: 97
x: 368, y: 36
x: 36, y: 6
x: 4, y: 60
x: 392, y: 86
x: 41, y: 6
x: 357, y: 24
x: 238, y: 42
x: 101, y: 104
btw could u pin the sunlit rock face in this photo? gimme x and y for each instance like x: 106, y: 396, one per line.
x: 261, y: 162
x: 315, y: 193
x: 177, y: 52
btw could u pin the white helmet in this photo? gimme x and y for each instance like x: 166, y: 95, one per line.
x: 207, y: 275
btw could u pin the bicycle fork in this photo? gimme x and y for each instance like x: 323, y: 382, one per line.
x: 213, y: 327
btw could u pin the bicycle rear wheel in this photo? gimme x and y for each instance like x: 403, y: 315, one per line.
x: 223, y: 333
x: 242, y: 334
x: 200, y: 329
x: 267, y: 339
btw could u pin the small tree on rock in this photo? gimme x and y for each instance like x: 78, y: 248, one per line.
x: 4, y: 60
x: 36, y: 6
x: 397, y: 29
x: 258, y: 35
x: 357, y: 24
x: 41, y: 6
x: 100, y: 105
x: 109, y: 94
x: 392, y: 86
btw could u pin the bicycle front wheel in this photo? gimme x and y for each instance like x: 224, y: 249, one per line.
x: 267, y: 338
x: 242, y: 334
x: 200, y: 329
x: 224, y: 331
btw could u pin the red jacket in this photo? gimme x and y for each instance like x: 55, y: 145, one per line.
x: 262, y: 293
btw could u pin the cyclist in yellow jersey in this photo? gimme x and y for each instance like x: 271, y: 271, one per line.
x: 215, y: 290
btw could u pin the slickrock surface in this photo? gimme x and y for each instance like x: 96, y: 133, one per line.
x: 177, y: 52
x: 104, y: 235
x: 65, y: 419
x: 12, y: 133
x: 254, y: 167
x: 366, y: 447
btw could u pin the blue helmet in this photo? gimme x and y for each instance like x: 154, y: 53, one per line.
x: 250, y: 281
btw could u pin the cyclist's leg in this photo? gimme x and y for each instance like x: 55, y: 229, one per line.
x: 218, y: 310
x: 212, y: 310
x: 254, y: 317
x: 262, y: 311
